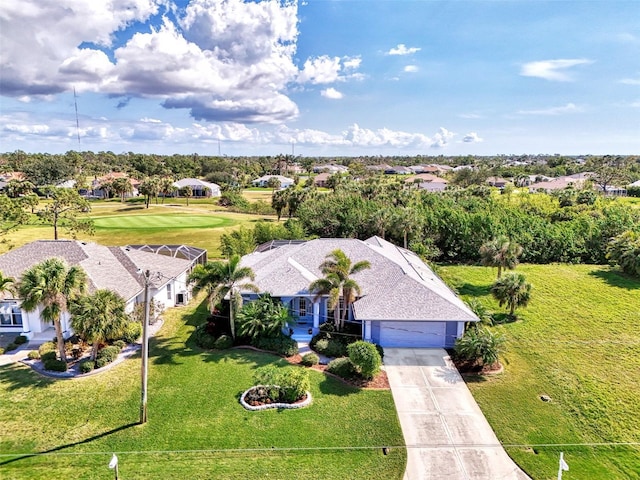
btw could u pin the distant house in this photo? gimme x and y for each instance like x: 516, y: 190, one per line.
x: 428, y: 182
x: 321, y: 179
x: 285, y: 182
x: 576, y: 180
x: 115, y: 268
x: 199, y: 188
x: 497, y: 182
x: 398, y: 170
x: 402, y: 303
x: 635, y: 184
x: 98, y: 191
x: 330, y: 168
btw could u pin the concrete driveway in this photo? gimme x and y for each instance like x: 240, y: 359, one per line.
x: 447, y: 435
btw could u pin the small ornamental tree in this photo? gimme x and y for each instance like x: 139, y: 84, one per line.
x: 365, y: 357
x: 481, y: 345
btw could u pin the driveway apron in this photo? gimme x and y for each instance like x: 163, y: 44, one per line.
x: 446, y: 433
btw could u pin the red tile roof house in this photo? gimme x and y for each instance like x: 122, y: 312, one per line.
x: 114, y: 268
x: 403, y: 303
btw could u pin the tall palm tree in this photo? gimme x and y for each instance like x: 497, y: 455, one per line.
x: 7, y: 285
x: 512, y: 290
x: 99, y: 317
x: 221, y: 278
x: 337, y: 268
x: 53, y: 284
x: 500, y: 252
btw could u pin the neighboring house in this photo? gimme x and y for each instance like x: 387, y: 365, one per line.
x: 199, y: 188
x: 498, y: 182
x: 285, y: 182
x: 560, y: 183
x: 330, y: 168
x: 403, y: 303
x: 98, y: 192
x: 115, y: 268
x: 428, y: 182
x: 321, y: 179
x: 634, y: 184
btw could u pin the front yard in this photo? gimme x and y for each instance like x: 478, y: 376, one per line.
x: 197, y: 428
x: 578, y: 343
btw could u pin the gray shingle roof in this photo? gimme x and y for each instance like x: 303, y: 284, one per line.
x: 115, y: 268
x: 398, y: 286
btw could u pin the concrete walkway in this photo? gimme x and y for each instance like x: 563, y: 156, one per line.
x: 446, y: 434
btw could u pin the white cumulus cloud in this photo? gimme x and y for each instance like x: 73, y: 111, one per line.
x: 411, y: 68
x: 553, y: 70
x: 331, y: 93
x: 472, y: 137
x: 402, y: 49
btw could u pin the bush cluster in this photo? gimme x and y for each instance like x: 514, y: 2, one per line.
x: 12, y: 346
x: 46, y: 347
x: 110, y: 353
x: 48, y: 355
x: 203, y: 338
x: 86, y: 366
x: 288, y: 384
x: 120, y: 344
x: 33, y: 355
x: 281, y: 345
x: 365, y: 357
x: 342, y: 367
x: 223, y: 342
x: 132, y: 332
x: 55, y: 365
x: 310, y: 359
x: 20, y: 340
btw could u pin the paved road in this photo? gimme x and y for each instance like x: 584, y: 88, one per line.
x: 447, y: 436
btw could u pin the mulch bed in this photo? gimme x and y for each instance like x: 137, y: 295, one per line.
x: 380, y: 382
x: 469, y: 367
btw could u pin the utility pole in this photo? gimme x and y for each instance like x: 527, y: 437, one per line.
x: 145, y: 349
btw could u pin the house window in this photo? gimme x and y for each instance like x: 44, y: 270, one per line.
x: 10, y: 315
x: 302, y: 307
x: 168, y: 291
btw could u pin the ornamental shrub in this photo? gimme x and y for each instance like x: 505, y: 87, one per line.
x: 293, y: 382
x: 321, y: 345
x: 46, y: 347
x: 120, y: 344
x: 110, y: 353
x: 480, y: 344
x: 10, y: 347
x: 365, y: 357
x: 342, y: 367
x: 223, y: 342
x: 1, y: 350
x: 20, y: 340
x: 102, y: 362
x: 132, y: 332
x: 55, y: 365
x: 310, y: 359
x: 202, y: 337
x: 87, y: 366
x: 50, y: 355
x: 280, y: 344
x: 33, y: 355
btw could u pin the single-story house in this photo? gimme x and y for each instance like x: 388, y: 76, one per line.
x: 635, y: 184
x: 115, y: 268
x: 263, y: 181
x: 330, y: 168
x: 403, y: 303
x: 321, y: 179
x: 98, y: 191
x: 199, y: 188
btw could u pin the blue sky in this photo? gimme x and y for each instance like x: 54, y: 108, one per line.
x: 321, y: 77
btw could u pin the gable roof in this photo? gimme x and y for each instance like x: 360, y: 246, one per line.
x: 114, y: 268
x: 398, y: 286
x: 197, y: 184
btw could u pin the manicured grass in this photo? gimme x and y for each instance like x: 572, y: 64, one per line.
x: 201, y: 224
x: 197, y: 428
x: 577, y: 342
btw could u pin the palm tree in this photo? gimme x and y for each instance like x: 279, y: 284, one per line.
x: 7, y: 285
x: 500, y: 252
x: 512, y: 290
x: 221, y: 278
x: 337, y: 283
x: 53, y: 284
x: 186, y: 192
x: 99, y: 317
x: 121, y: 186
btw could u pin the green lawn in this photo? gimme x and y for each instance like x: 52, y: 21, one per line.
x: 577, y: 342
x: 200, y: 224
x: 197, y: 428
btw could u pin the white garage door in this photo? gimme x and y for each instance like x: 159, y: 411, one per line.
x: 412, y: 334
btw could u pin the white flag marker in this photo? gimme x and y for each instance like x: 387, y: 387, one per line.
x: 563, y: 466
x: 114, y: 462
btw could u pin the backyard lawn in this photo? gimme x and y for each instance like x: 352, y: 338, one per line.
x: 578, y: 343
x: 197, y: 429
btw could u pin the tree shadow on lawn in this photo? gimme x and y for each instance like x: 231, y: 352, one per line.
x: 617, y: 279
x: 474, y: 290
x: 69, y: 445
x: 16, y: 376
